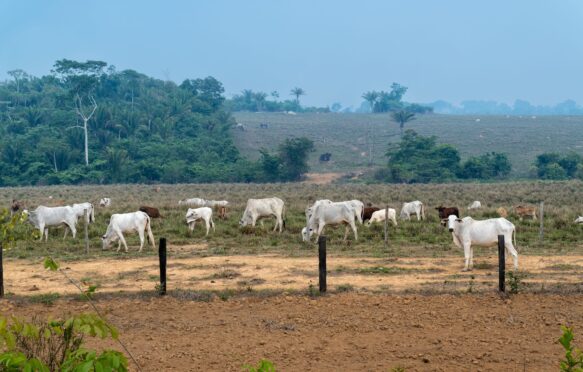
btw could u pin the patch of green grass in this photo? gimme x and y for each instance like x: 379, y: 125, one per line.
x: 45, y: 298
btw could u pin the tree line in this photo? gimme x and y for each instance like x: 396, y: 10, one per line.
x: 86, y: 122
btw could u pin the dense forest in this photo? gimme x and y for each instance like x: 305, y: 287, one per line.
x: 88, y: 123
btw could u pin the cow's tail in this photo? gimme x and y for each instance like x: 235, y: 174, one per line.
x: 92, y: 215
x: 149, y: 231
x: 283, y: 216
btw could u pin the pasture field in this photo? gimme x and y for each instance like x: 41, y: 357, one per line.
x: 345, y: 136
x: 240, y: 295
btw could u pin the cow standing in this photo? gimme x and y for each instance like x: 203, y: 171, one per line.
x: 413, y: 207
x: 445, y: 212
x: 330, y: 214
x: 523, y: 211
x: 203, y: 213
x: 467, y: 232
x: 264, y: 208
x: 127, y: 222
x: 380, y: 216
x: 43, y: 217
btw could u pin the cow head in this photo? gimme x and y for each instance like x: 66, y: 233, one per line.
x: 307, y: 234
x: 106, y: 240
x: 452, y: 220
x: 191, y: 216
x: 246, y: 219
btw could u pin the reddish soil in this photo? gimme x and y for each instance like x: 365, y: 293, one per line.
x: 349, y: 332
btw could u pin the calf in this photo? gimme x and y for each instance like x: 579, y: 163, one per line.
x: 502, y: 212
x: 151, y: 211
x: 204, y: 213
x: 523, y: 211
x: 105, y: 202
x: 367, y: 212
x: 379, y: 216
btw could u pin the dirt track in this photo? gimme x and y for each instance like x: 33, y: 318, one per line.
x: 336, y: 332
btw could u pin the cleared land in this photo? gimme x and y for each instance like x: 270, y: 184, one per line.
x: 240, y: 295
x: 345, y: 136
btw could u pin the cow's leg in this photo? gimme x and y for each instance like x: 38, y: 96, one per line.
x: 354, y: 230
x: 66, y: 231
x: 73, y: 230
x: 46, y: 230
x: 208, y: 227
x: 121, y: 239
x: 213, y: 224
x: 511, y: 250
x: 141, y: 234
x: 280, y: 223
x: 394, y: 221
x: 320, y: 229
x: 346, y: 230
x: 467, y: 252
x: 534, y: 216
x: 471, y: 257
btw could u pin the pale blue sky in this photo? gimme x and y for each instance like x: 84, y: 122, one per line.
x: 335, y: 50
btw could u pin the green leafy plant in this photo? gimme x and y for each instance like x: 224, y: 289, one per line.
x: 515, y: 281
x: 573, y: 361
x: 264, y: 365
x: 57, y: 345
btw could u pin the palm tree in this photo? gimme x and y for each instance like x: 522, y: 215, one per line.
x: 371, y: 98
x: 402, y: 117
x: 298, y: 92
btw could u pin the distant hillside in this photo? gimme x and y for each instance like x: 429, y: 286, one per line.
x: 345, y: 136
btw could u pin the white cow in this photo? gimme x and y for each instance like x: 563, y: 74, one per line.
x: 467, y: 232
x: 379, y: 216
x: 330, y: 214
x: 356, y: 205
x: 475, y: 205
x: 579, y: 220
x: 204, y: 213
x: 216, y: 203
x: 80, y: 211
x: 105, y: 202
x: 263, y: 208
x: 43, y: 217
x: 413, y: 207
x: 311, y: 208
x: 127, y: 222
x: 193, y: 202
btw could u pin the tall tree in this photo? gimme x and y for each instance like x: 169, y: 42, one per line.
x: 402, y: 117
x: 293, y: 154
x: 371, y: 97
x: 297, y: 92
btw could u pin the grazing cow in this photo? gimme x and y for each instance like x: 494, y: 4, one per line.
x: 105, y: 202
x: 356, y: 205
x: 379, y: 216
x: 203, y: 213
x: 15, y: 207
x: 523, y: 211
x: 127, y: 222
x: 475, y: 205
x: 579, y: 220
x: 222, y: 212
x: 216, y: 203
x: 445, y: 212
x: 467, y: 232
x: 367, y: 212
x: 43, y: 217
x: 194, y: 202
x: 151, y: 211
x: 413, y: 207
x: 502, y: 212
x: 264, y: 208
x: 330, y: 214
x: 80, y: 211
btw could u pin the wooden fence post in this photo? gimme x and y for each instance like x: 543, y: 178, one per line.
x: 322, y: 262
x: 501, y: 264
x: 1, y: 274
x: 162, y: 256
x: 387, y: 227
x: 541, y: 231
x: 85, y: 220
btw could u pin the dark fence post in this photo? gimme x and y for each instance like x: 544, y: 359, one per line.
x: 162, y: 255
x: 322, y: 262
x: 1, y: 274
x: 501, y: 264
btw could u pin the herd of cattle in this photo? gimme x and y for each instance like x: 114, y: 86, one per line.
x: 466, y: 232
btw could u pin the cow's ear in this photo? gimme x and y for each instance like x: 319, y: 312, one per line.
x: 459, y: 220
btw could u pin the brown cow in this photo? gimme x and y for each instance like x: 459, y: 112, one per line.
x: 502, y: 212
x: 523, y: 211
x: 368, y: 211
x: 221, y: 212
x: 16, y: 206
x: 445, y: 212
x: 151, y: 211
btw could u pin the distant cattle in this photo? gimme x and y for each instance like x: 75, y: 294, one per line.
x: 367, y: 213
x: 413, y: 207
x: 325, y: 157
x: 523, y: 211
x: 105, y: 202
x: 263, y: 125
x: 15, y: 206
x: 579, y: 220
x: 203, y: 213
x: 193, y: 202
x: 502, y: 212
x: 475, y: 205
x: 445, y: 212
x: 330, y: 214
x: 128, y: 222
x: 467, y: 232
x: 216, y: 203
x: 241, y: 127
x: 380, y: 216
x: 43, y: 217
x: 151, y: 211
x: 264, y: 208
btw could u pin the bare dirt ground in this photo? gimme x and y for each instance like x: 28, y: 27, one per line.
x: 273, y: 272
x: 337, y: 332
x: 322, y: 178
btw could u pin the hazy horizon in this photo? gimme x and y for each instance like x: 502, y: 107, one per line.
x: 452, y: 50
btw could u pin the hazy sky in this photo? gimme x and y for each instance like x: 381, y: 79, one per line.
x: 335, y: 50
